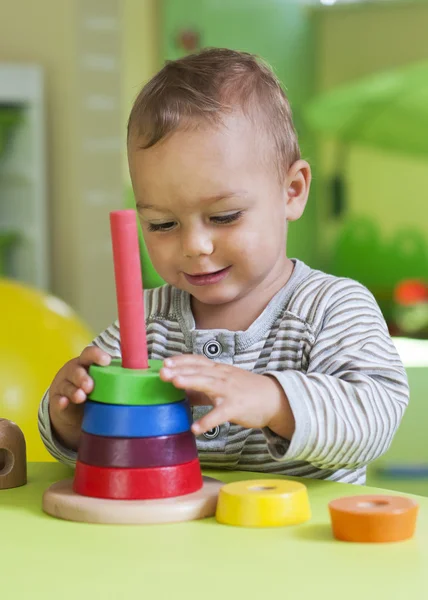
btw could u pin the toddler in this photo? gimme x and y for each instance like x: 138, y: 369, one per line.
x: 289, y: 370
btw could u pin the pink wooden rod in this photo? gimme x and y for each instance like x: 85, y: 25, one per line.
x: 129, y: 289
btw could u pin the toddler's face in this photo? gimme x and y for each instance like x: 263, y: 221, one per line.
x: 209, y: 201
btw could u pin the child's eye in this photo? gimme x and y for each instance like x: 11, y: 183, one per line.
x: 227, y: 218
x: 220, y: 220
x: 160, y: 226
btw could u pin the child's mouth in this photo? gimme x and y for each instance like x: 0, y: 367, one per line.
x: 207, y: 278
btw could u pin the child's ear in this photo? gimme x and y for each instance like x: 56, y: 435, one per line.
x: 298, y: 182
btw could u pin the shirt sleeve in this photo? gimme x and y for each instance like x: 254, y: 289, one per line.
x: 53, y: 446
x: 350, y: 401
x: 109, y: 341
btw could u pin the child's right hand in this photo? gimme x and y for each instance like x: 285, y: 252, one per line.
x: 68, y: 392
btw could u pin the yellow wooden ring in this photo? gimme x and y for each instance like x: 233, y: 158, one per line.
x: 263, y: 503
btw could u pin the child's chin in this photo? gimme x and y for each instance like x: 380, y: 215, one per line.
x: 210, y: 295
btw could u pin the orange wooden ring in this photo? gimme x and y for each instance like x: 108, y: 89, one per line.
x: 373, y: 518
x: 137, y: 484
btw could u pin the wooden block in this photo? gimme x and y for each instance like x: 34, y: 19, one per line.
x: 263, y: 503
x: 161, y: 451
x: 13, y: 457
x: 62, y: 502
x: 136, y: 421
x: 369, y: 518
x: 137, y: 484
x: 116, y: 385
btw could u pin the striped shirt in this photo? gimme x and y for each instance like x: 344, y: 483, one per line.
x: 325, y: 340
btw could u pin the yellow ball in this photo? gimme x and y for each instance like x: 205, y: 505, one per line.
x: 263, y: 503
x: 38, y: 334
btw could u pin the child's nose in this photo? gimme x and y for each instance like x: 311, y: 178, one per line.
x: 195, y: 243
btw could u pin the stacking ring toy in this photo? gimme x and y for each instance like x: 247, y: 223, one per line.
x: 113, y: 420
x: 137, y: 453
x: 116, y: 385
x: 134, y: 484
x: 373, y: 518
x: 263, y: 503
x: 137, y: 460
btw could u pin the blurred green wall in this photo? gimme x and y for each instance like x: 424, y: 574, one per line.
x: 381, y: 235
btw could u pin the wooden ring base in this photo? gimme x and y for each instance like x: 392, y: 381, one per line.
x: 60, y: 501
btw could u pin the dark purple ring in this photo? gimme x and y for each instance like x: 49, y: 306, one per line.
x: 136, y: 453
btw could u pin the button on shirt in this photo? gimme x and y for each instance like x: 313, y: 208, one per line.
x: 212, y: 349
x: 218, y: 345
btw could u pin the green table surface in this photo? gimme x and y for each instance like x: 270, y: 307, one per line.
x: 44, y: 557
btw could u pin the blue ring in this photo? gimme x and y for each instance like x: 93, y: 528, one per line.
x: 113, y: 420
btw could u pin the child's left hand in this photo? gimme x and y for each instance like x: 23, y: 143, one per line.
x: 238, y: 396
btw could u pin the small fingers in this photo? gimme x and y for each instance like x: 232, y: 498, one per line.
x: 216, y: 416
x: 74, y: 394
x: 73, y: 383
x: 80, y: 378
x: 168, y: 374
x: 92, y: 355
x: 63, y: 402
x: 200, y: 383
x: 186, y: 370
x: 189, y: 360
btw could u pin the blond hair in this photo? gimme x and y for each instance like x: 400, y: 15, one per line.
x: 207, y: 85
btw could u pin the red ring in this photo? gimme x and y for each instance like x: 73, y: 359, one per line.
x: 137, y: 484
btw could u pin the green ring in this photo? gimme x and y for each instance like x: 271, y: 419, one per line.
x: 132, y: 387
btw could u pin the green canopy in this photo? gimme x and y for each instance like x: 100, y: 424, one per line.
x: 388, y: 110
